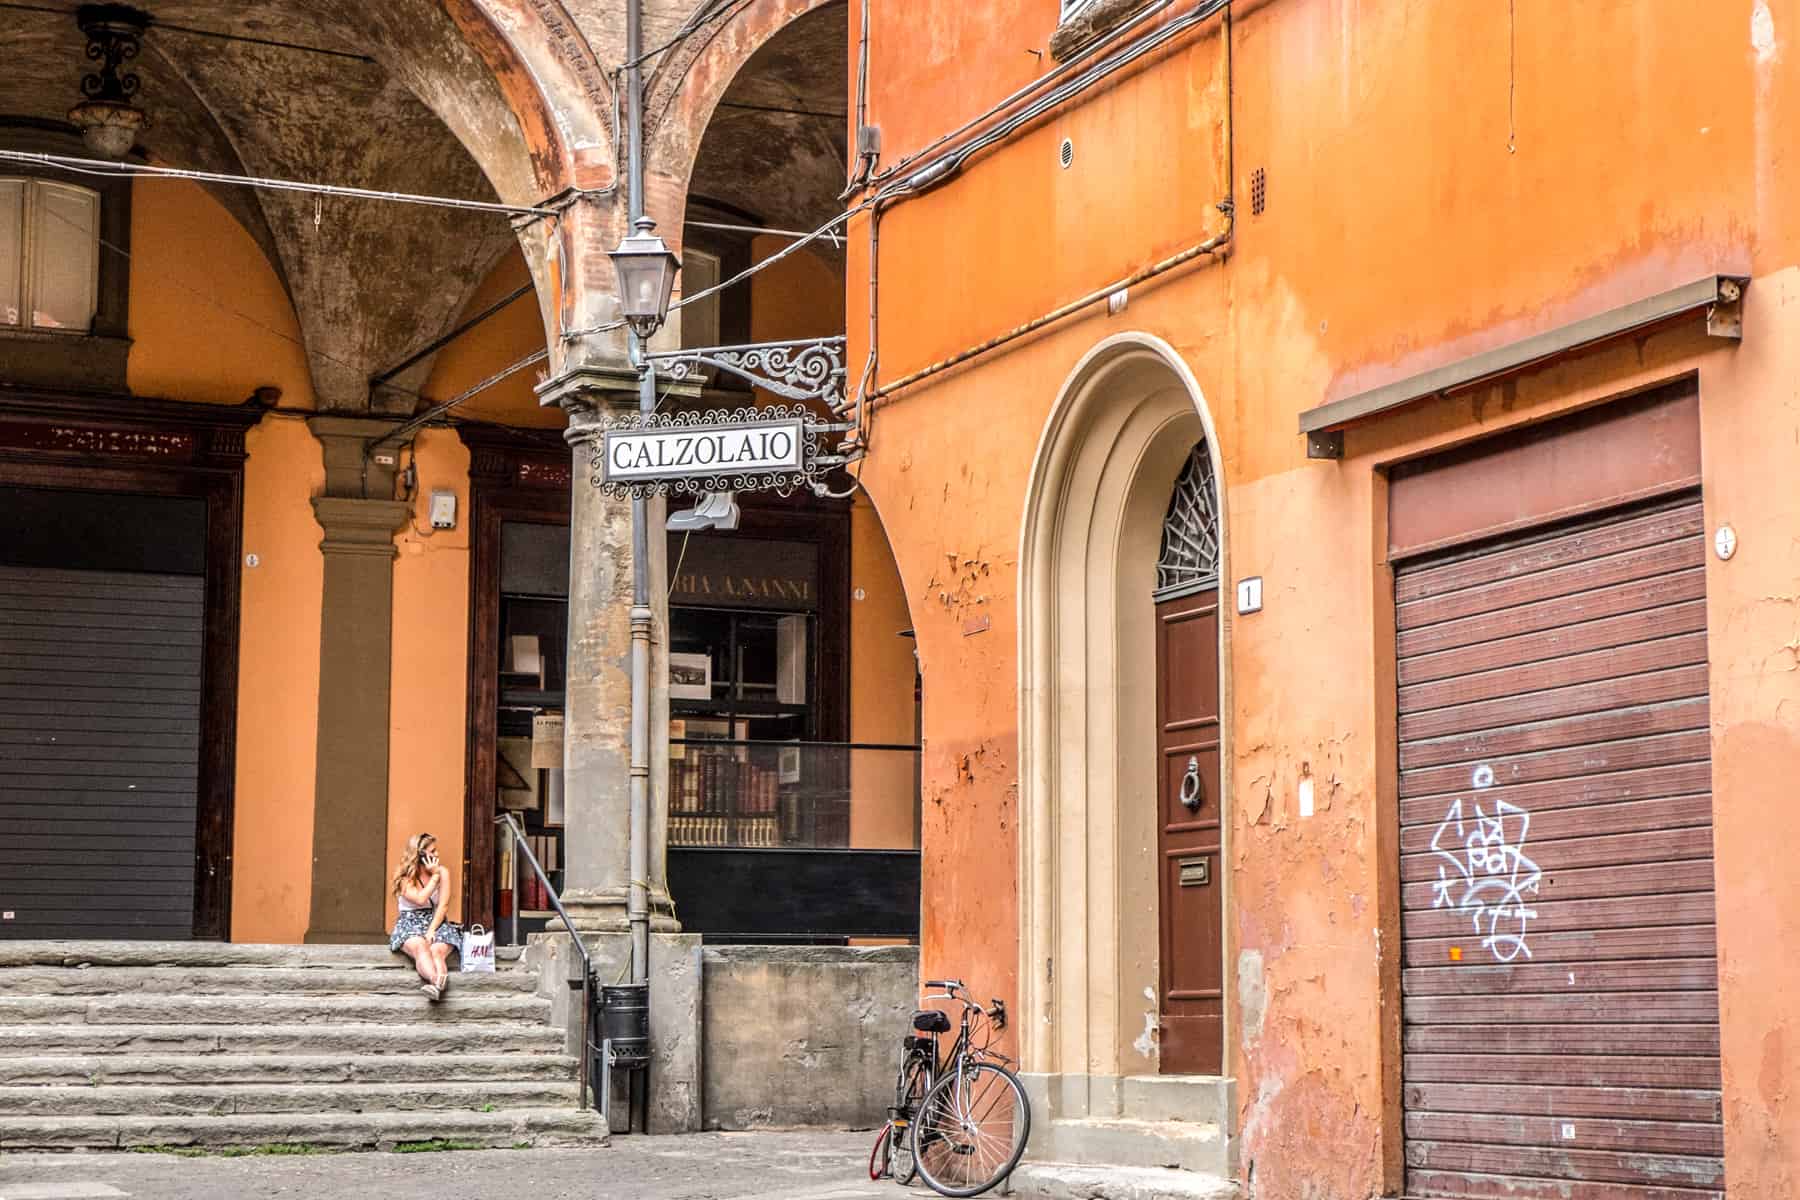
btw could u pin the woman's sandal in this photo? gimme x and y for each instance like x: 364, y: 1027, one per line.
x: 431, y: 991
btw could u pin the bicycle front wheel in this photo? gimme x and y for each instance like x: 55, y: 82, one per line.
x: 971, y: 1131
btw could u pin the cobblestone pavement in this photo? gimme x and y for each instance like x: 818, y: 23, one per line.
x: 707, y: 1166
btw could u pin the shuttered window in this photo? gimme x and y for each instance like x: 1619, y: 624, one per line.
x: 100, y: 676
x: 1560, y: 1003
x: 49, y: 255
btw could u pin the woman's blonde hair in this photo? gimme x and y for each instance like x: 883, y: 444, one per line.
x: 409, y: 861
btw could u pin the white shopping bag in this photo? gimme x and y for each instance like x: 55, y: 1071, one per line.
x: 477, y: 950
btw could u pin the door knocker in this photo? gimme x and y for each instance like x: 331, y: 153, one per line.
x: 1190, y: 785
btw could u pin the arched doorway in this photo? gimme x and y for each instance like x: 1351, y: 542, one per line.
x: 1190, y: 996
x: 1099, y: 747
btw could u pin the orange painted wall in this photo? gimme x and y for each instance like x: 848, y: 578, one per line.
x: 210, y: 320
x: 798, y: 297
x: 428, y: 714
x: 883, y: 783
x: 278, y: 685
x: 1401, y: 233
x: 491, y: 347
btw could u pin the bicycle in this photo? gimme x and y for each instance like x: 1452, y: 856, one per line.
x: 959, y: 1121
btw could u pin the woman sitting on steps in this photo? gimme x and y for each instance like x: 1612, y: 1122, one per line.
x: 423, y: 886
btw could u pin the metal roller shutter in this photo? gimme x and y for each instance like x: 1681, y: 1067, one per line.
x: 99, y: 751
x: 1560, y: 1002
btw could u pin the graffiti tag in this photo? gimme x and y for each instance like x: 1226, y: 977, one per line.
x: 1485, y: 874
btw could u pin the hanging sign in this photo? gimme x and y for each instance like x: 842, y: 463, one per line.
x: 773, y: 448
x: 703, y: 451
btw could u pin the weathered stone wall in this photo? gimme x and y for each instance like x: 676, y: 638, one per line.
x: 802, y: 1035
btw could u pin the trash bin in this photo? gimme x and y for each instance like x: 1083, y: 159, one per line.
x: 625, y: 1021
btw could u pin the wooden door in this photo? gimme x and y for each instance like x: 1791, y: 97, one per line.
x: 1560, y: 1000
x: 1187, y: 716
x: 1190, y: 997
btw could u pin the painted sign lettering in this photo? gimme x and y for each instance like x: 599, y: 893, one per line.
x: 699, y: 451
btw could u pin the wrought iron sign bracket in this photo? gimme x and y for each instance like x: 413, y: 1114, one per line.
x: 805, y: 370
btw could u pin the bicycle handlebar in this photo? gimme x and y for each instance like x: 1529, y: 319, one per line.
x: 943, y: 983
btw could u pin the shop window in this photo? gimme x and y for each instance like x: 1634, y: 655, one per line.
x: 49, y: 255
x: 699, y: 320
x: 528, y: 775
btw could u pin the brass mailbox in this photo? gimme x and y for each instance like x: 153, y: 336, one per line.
x: 1195, y: 872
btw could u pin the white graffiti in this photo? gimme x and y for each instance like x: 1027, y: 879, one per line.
x: 1484, y: 873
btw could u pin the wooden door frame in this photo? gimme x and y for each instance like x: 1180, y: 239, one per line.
x: 514, y: 475
x: 1114, y: 443
x: 127, y: 445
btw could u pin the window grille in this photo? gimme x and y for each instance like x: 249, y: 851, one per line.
x: 1189, y: 561
x: 49, y: 255
x: 1071, y: 8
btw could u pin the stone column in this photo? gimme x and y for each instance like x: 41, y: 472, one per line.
x: 350, y: 805
x: 597, y: 720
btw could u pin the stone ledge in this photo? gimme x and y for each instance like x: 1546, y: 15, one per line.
x: 1068, y: 1181
x: 837, y: 955
x: 1096, y: 19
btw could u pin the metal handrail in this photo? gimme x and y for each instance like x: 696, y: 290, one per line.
x: 910, y: 747
x: 521, y: 846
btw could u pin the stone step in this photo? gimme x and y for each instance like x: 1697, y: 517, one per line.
x: 1181, y: 1145
x: 179, y: 1100
x: 1205, y: 1099
x: 342, y: 1038
x: 505, y: 1128
x: 211, y: 954
x: 1069, y: 1181
x: 98, y: 1070
x: 459, y: 1008
x: 397, y: 979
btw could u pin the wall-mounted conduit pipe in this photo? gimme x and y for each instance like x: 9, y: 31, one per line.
x: 942, y: 168
x: 1212, y: 245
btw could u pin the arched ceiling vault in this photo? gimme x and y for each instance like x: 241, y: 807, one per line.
x: 345, y: 102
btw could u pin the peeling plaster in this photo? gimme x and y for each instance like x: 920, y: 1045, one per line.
x: 1145, y: 1043
x: 1253, y: 996
x: 1762, y: 33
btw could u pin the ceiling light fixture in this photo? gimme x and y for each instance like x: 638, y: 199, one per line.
x: 108, y: 120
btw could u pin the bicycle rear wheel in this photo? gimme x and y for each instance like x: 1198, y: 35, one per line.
x: 908, y: 1103
x: 971, y: 1131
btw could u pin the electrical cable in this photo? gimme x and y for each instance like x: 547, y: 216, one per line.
x: 158, y: 24
x: 239, y: 314
x: 438, y: 410
x: 107, y: 169
x: 824, y: 230
x: 1042, y: 81
x: 688, y: 28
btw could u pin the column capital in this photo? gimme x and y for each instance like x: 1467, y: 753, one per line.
x: 594, y: 387
x: 360, y: 526
x: 347, y: 472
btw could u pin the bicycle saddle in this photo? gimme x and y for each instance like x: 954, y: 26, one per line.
x: 930, y: 1020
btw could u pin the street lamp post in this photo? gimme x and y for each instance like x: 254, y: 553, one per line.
x: 646, y: 271
x: 646, y: 278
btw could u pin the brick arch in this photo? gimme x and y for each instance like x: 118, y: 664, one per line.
x: 683, y: 94
x: 555, y: 87
x: 560, y: 96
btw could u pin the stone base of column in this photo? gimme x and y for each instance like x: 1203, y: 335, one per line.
x: 603, y: 910
x: 675, y: 1015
